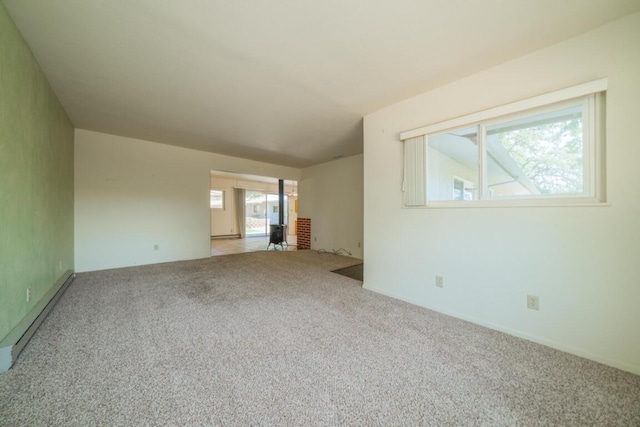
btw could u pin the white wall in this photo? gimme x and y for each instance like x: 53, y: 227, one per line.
x: 131, y: 195
x: 331, y: 194
x: 583, y: 262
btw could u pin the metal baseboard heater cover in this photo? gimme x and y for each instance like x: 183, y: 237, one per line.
x: 12, y: 345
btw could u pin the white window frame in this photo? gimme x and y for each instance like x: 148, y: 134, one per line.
x: 592, y: 95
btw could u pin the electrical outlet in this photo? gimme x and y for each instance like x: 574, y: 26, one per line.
x: 315, y: 239
x: 533, y: 302
x: 440, y: 281
x: 155, y: 247
x: 60, y: 265
x: 359, y: 244
x: 28, y: 294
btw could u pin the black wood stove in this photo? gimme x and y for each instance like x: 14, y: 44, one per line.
x: 278, y: 235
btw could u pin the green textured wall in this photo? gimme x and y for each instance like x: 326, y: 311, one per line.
x: 36, y: 180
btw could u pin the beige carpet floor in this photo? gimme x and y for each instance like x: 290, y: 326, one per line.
x: 276, y: 338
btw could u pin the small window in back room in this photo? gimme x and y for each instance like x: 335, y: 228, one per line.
x: 217, y: 199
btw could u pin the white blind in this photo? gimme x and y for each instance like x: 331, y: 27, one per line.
x: 415, y: 162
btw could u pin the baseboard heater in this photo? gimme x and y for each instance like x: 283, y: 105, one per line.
x: 12, y: 345
x: 225, y: 237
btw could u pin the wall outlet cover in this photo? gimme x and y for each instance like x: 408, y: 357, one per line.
x: 533, y: 302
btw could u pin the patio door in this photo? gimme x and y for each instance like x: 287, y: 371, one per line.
x: 262, y: 209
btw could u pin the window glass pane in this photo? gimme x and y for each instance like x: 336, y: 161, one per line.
x: 453, y: 165
x: 217, y: 199
x: 536, y: 155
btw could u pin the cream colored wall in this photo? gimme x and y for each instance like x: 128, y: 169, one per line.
x: 582, y: 262
x: 331, y: 195
x: 223, y: 222
x: 131, y: 195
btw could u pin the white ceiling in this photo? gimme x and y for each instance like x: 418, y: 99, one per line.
x: 281, y: 81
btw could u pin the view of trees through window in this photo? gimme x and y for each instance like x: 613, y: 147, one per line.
x: 544, y: 150
x: 550, y: 154
x: 532, y: 155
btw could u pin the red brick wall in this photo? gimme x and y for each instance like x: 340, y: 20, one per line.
x: 304, y: 233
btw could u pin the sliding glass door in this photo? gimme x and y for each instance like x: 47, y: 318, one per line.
x: 262, y: 209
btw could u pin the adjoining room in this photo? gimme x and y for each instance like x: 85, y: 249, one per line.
x: 244, y: 209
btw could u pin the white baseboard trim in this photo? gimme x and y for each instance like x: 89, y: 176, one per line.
x: 12, y: 345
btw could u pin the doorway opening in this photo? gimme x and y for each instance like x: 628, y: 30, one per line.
x: 242, y: 209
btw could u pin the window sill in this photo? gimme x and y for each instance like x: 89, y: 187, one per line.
x: 526, y: 203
